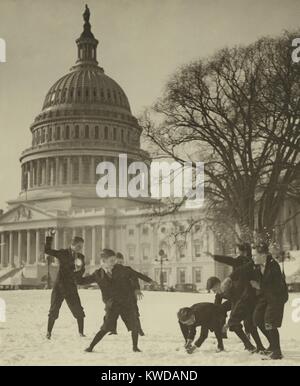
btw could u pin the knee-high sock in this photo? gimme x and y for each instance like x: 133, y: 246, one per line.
x: 275, y: 339
x: 240, y: 333
x: 135, y: 338
x: 51, y: 322
x: 266, y: 334
x: 80, y: 322
x: 256, y: 338
x: 100, y: 335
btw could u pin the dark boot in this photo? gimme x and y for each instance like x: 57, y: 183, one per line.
x: 80, y: 322
x: 257, y: 340
x: 100, y: 335
x: 51, y: 322
x: 275, y: 344
x: 140, y: 330
x: 135, y: 339
x: 243, y: 337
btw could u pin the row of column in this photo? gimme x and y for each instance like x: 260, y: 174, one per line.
x: 58, y: 171
x: 54, y: 171
x: 18, y: 248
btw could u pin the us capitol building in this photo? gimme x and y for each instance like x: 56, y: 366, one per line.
x: 85, y: 119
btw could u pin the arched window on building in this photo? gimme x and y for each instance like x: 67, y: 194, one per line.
x: 49, y: 133
x: 197, y: 275
x: 105, y: 133
x: 43, y: 135
x: 198, y: 247
x: 65, y: 171
x: 131, y: 252
x: 57, y: 133
x: 75, y: 170
x: 122, y: 135
x: 67, y: 132
x: 96, y: 132
x: 181, y: 275
x: 86, y: 132
x: 145, y: 251
x: 181, y: 249
x: 114, y: 134
x: 86, y: 170
x: 76, y: 136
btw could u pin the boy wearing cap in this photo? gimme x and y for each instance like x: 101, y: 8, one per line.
x: 266, y: 277
x: 139, y: 295
x: 243, y: 312
x: 71, y: 268
x: 118, y: 286
x: 207, y: 315
x: 242, y: 297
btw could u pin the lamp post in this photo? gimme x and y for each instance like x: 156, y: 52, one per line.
x: 162, y: 258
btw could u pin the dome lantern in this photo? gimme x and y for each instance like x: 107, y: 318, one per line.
x: 87, y: 44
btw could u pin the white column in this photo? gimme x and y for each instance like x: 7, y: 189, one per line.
x: 11, y: 249
x: 56, y: 239
x: 57, y: 179
x: 65, y: 238
x: 20, y: 248
x: 111, y: 238
x: 69, y: 173
x: 80, y: 171
x: 73, y: 232
x: 2, y: 250
x: 84, y: 233
x: 37, y: 246
x: 93, y: 257
x: 92, y: 170
x: 103, y: 237
x: 47, y: 172
x: 138, y: 252
x: 154, y: 242
x: 28, y: 249
x: 30, y: 174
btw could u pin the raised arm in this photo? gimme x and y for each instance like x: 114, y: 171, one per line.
x: 48, y: 249
x: 140, y: 275
x: 228, y: 260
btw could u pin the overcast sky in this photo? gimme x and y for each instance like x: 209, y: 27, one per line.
x: 141, y: 42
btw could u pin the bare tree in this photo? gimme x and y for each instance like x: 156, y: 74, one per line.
x: 240, y: 110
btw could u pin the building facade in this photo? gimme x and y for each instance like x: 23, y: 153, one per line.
x: 86, y: 119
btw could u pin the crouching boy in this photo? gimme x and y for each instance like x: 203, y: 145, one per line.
x: 207, y: 315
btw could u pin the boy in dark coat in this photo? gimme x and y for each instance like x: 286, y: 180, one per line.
x: 71, y: 268
x: 207, y: 315
x: 242, y: 297
x: 266, y: 277
x: 118, y: 285
x: 136, y: 285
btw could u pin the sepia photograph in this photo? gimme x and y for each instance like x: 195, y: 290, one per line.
x: 150, y: 185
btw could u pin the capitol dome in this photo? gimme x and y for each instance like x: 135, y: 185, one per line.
x: 85, y: 119
x: 86, y: 85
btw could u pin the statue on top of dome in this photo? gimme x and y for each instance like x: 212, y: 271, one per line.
x: 86, y: 14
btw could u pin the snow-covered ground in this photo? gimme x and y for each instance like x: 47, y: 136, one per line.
x: 22, y: 337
